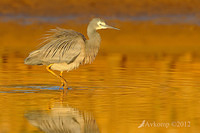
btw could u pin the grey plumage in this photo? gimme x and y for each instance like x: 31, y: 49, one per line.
x: 65, y: 50
x: 62, y: 46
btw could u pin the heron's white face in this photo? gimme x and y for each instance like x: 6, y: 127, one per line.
x: 101, y: 25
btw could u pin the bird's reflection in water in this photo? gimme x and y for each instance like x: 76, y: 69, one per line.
x: 63, y: 120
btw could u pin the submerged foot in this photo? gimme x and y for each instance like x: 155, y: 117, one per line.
x: 65, y: 88
x: 61, y: 86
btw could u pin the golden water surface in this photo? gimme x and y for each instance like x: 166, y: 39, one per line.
x: 145, y: 71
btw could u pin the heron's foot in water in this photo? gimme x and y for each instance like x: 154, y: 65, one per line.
x: 61, y: 86
x: 64, y: 86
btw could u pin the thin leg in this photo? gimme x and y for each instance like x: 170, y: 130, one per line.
x: 61, y: 73
x: 64, y: 82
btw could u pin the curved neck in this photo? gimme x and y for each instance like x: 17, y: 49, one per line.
x: 92, y: 33
x: 94, y: 37
x: 92, y: 44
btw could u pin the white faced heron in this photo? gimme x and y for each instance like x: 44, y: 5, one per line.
x: 65, y: 50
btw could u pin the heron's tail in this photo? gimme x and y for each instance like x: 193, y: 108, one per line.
x: 33, y: 58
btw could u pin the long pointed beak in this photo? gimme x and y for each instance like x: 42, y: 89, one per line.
x: 110, y: 27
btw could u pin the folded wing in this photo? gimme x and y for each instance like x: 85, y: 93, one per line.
x: 62, y: 46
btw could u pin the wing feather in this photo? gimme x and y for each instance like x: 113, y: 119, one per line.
x: 62, y: 46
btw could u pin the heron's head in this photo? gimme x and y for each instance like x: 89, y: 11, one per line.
x: 98, y: 24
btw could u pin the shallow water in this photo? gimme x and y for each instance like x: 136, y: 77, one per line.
x: 115, y: 94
